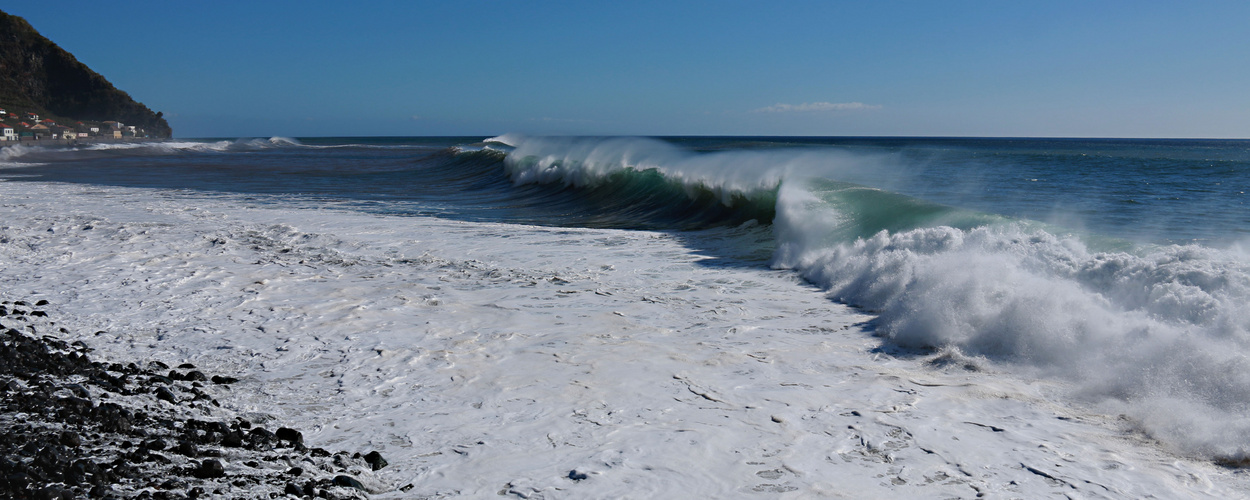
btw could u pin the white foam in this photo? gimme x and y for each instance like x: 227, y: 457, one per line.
x: 1161, y: 335
x: 489, y: 358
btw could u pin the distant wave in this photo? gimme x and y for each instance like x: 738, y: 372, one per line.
x: 27, y: 154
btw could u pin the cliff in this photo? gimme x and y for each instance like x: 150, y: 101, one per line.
x: 38, y: 76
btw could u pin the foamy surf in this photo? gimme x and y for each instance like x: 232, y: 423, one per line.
x: 487, y: 358
x: 984, y: 355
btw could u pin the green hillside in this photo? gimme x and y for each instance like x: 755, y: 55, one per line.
x: 37, y: 76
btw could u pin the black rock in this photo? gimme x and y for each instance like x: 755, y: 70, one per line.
x: 78, y: 390
x: 121, y: 445
x: 577, y: 475
x: 260, y: 435
x: 375, y: 460
x: 233, y: 439
x: 164, y: 394
x: 54, y: 492
x: 113, y: 418
x: 41, y: 303
x: 160, y: 379
x: 210, y: 469
x: 138, y: 455
x: 18, y: 480
x: 187, y: 448
x: 348, y: 481
x: 85, y: 471
x: 76, y: 405
x: 218, y: 379
x: 71, y: 438
x: 290, y: 435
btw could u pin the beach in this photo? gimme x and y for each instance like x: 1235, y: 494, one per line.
x: 488, y: 359
x: 546, y: 251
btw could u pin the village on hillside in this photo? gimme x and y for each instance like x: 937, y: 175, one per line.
x: 28, y: 126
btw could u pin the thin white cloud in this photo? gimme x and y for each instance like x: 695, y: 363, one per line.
x: 549, y: 119
x: 815, y: 106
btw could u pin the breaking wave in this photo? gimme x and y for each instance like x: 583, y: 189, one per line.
x: 1157, y: 332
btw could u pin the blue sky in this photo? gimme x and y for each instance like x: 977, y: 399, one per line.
x: 923, y: 68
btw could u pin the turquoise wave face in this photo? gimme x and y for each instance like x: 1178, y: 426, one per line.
x: 861, y: 211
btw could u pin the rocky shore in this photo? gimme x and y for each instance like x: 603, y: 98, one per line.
x: 27, y: 141
x: 75, y: 427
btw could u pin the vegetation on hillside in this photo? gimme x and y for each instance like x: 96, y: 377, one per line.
x: 39, y: 77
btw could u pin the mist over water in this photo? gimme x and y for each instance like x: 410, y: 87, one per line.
x: 1112, y: 265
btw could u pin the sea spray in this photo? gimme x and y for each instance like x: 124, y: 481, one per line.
x: 1159, y: 333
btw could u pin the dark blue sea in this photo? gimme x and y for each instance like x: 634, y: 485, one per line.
x: 1149, y: 191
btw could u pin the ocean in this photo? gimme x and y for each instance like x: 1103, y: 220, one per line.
x: 716, y: 316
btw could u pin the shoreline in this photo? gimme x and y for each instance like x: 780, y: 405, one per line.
x: 73, y: 142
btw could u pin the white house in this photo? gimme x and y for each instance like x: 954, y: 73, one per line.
x: 8, y: 133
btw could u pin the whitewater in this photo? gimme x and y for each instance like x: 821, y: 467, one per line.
x: 637, y: 318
